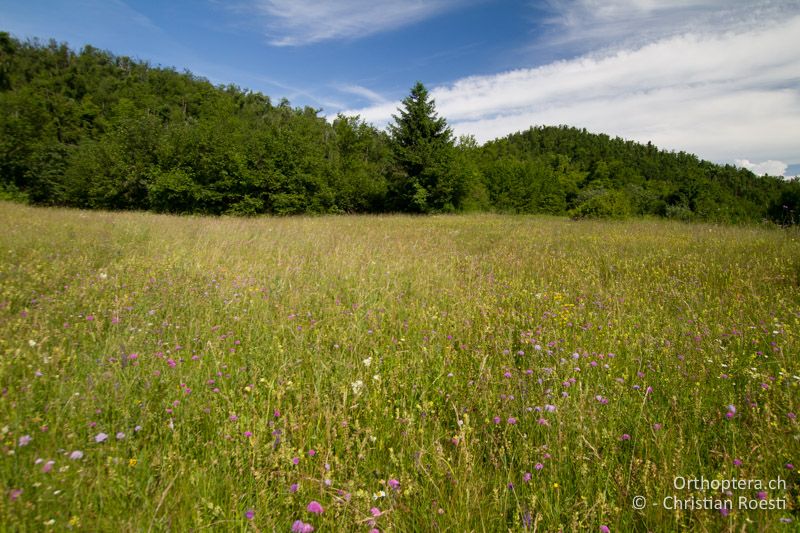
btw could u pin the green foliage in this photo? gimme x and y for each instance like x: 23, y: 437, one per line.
x: 422, y: 143
x: 90, y: 129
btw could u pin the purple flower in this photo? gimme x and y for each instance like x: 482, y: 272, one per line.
x: 550, y: 408
x: 248, y: 434
x: 315, y: 507
x: 24, y: 440
x: 296, y: 460
x: 657, y: 426
x: 526, y: 477
x: 737, y: 462
x: 48, y: 466
x: 293, y: 488
x: 539, y: 466
x: 76, y: 455
x: 100, y: 437
x: 250, y: 514
x: 496, y: 420
x: 375, y: 512
x: 625, y: 436
x: 789, y: 466
x: 393, y: 483
x: 13, y: 494
x: 761, y: 495
x: 512, y: 420
x: 312, y: 452
x: 301, y: 527
x: 120, y: 435
x: 604, y: 529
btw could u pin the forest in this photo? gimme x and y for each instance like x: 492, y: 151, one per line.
x: 94, y: 130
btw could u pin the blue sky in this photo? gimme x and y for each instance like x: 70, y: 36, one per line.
x: 720, y: 78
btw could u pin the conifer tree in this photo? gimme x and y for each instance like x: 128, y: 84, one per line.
x: 422, y: 144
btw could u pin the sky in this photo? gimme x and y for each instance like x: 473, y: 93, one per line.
x: 718, y: 78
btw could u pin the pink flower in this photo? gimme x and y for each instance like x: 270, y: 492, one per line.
x: 301, y: 527
x: 604, y: 529
x: 13, y: 494
x: 48, y: 466
x: 24, y: 440
x: 76, y: 455
x: 312, y: 452
x: 375, y: 512
x: 625, y: 436
x: 496, y: 420
x: 100, y: 437
x: 248, y: 434
x: 526, y: 477
x: 315, y: 507
x: 393, y: 483
x: 512, y: 420
x: 250, y: 514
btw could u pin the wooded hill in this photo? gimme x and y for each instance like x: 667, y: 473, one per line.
x: 93, y: 130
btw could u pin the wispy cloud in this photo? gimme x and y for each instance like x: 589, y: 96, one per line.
x: 363, y: 92
x: 725, y: 96
x: 302, y: 22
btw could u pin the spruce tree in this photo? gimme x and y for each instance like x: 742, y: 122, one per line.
x: 422, y: 144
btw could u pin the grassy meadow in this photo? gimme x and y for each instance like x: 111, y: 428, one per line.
x: 398, y: 373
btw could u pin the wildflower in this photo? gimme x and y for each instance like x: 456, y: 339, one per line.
x: 312, y: 452
x: 315, y: 507
x: 526, y: 477
x: 24, y: 440
x: 761, y: 495
x: 550, y: 408
x: 657, y: 426
x: 132, y: 462
x: 48, y: 466
x: 301, y: 527
x: 120, y: 435
x: 32, y: 343
x: 393, y: 483
x: 539, y: 466
x: 604, y: 529
x: 512, y: 420
x: 789, y: 466
x: 13, y: 494
x: 248, y: 434
x: 293, y: 488
x: 625, y: 436
x: 737, y: 462
x: 375, y: 512
x: 76, y: 455
x: 249, y: 514
x: 367, y: 362
x: 296, y: 460
x: 100, y: 437
x: 357, y: 386
x: 496, y: 420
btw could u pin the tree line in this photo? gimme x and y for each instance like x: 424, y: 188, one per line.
x: 93, y: 130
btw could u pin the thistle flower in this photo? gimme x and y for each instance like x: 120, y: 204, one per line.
x: 315, y: 507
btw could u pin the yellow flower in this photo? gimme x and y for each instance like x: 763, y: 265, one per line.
x: 132, y: 462
x: 555, y: 485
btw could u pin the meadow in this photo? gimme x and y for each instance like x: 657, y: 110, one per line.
x: 396, y: 373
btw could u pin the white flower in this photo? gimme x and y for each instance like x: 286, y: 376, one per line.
x: 31, y: 343
x: 376, y: 378
x: 357, y: 386
x: 367, y: 361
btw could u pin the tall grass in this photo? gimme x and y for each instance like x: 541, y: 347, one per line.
x: 460, y: 373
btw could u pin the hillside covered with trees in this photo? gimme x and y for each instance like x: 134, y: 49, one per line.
x: 93, y: 130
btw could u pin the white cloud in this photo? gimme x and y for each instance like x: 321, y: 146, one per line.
x: 301, y: 22
x: 725, y: 96
x: 771, y: 167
